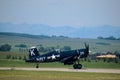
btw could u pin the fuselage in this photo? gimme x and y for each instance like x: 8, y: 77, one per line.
x: 62, y: 56
x: 66, y: 57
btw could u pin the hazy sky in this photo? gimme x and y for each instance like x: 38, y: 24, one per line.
x: 61, y: 12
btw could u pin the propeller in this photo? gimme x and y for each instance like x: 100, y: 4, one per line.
x: 82, y: 53
x: 87, y: 48
x: 86, y: 52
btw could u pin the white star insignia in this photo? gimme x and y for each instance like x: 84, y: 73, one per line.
x: 53, y: 56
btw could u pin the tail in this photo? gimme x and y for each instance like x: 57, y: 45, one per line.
x: 33, y: 53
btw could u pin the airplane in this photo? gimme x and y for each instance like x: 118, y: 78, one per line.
x: 71, y: 57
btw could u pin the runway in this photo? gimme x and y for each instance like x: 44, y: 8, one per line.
x: 65, y: 69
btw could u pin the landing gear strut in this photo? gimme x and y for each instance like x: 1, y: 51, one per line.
x: 77, y: 64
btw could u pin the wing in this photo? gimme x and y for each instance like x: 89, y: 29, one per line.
x: 69, y: 60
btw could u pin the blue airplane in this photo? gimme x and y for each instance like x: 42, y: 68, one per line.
x: 71, y: 57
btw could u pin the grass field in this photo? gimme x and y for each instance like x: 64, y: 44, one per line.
x: 54, y: 75
x: 96, y: 45
x: 21, y: 63
x: 93, y: 64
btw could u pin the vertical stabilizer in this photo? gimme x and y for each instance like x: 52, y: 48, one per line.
x: 33, y: 52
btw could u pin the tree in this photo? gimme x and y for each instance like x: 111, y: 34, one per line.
x: 20, y: 57
x: 111, y: 38
x: 22, y: 47
x: 118, y: 38
x: 99, y: 37
x: 8, y: 56
x: 5, y: 47
x: 24, y: 58
x: 66, y: 48
x: 108, y: 38
x: 48, y: 49
x: 41, y: 48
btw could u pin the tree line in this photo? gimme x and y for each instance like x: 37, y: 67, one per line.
x: 40, y: 47
x: 5, y: 47
x: 108, y: 38
x: 32, y: 36
x: 10, y: 56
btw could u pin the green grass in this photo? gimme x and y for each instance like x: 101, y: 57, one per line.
x: 3, y: 55
x: 55, y: 75
x: 101, y: 64
x: 19, y: 63
x: 75, y: 43
x: 93, y: 64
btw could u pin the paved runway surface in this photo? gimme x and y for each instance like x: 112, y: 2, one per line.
x: 65, y: 69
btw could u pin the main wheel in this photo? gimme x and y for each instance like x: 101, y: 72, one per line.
x: 77, y: 66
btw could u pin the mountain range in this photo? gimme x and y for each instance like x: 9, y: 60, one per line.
x: 70, y: 31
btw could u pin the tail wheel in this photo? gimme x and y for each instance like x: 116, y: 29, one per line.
x: 77, y: 66
x: 37, y: 65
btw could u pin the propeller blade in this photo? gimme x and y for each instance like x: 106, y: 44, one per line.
x: 87, y: 48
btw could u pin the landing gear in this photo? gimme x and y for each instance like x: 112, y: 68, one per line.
x: 77, y: 66
x: 37, y: 65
